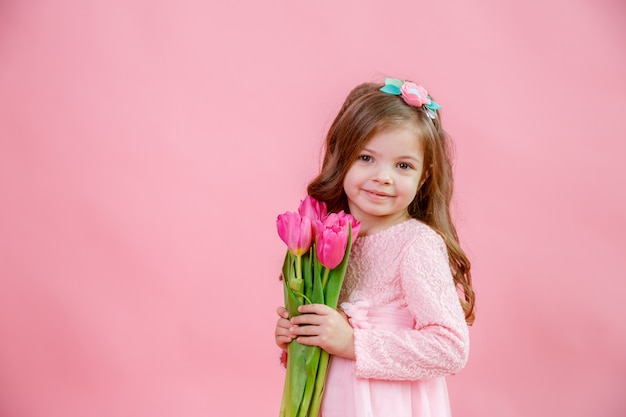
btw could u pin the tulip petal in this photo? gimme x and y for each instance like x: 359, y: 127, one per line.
x: 313, y: 209
x: 331, y: 246
x: 295, y: 231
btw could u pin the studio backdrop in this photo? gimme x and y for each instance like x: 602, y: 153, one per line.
x: 146, y: 148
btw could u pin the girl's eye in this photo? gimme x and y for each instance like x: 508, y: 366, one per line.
x: 404, y: 165
x: 365, y: 158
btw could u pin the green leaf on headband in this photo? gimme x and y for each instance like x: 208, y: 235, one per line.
x: 391, y: 89
x: 393, y: 81
x: 433, y: 105
x: 392, y: 86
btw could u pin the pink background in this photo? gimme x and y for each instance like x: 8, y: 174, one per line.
x: 146, y: 148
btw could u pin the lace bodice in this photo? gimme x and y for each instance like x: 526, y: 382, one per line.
x: 406, y: 266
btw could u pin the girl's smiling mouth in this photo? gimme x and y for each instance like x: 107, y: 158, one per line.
x: 377, y: 194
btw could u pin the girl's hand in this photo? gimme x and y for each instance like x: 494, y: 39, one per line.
x: 320, y: 325
x: 282, y: 333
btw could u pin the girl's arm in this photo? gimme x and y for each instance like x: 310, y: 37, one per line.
x: 439, y: 343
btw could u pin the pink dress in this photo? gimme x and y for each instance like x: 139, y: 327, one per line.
x: 409, y: 328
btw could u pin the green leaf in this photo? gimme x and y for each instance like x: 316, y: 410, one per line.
x: 392, y: 86
x: 307, y: 271
x: 317, y: 295
x: 318, y: 269
x: 320, y: 381
x: 291, y: 300
x: 433, y: 105
x: 391, y: 89
x: 312, y: 360
x: 394, y: 81
x: 296, y: 368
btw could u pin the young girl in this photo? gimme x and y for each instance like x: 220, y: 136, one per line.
x: 407, y: 296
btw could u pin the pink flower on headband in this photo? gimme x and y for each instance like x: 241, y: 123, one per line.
x: 414, y: 95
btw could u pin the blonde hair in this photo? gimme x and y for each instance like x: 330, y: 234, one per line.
x: 367, y: 111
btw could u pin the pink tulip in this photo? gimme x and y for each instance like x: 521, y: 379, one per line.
x: 332, y: 237
x: 331, y: 245
x: 313, y: 209
x: 341, y: 220
x: 295, y: 231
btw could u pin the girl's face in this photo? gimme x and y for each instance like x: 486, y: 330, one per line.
x: 385, y: 178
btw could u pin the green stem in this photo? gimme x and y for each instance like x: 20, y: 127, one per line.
x: 299, y: 294
x: 284, y: 405
x: 311, y: 366
x: 320, y: 381
x: 298, y: 273
x: 298, y: 266
x: 325, y: 277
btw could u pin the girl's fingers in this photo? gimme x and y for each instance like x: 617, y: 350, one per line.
x: 282, y: 312
x: 283, y: 335
x: 318, y: 325
x: 316, y: 309
x: 313, y: 314
x: 322, y: 326
x: 309, y: 341
x: 283, y: 329
x: 305, y: 330
x: 307, y: 319
x: 283, y: 340
x: 283, y: 343
x: 283, y: 323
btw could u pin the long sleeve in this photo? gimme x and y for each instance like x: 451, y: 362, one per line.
x: 438, y: 345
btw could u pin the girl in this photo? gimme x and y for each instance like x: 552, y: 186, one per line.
x: 407, y: 296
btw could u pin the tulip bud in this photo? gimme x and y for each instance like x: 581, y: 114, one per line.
x: 295, y: 231
x: 341, y: 220
x: 331, y: 245
x: 313, y: 209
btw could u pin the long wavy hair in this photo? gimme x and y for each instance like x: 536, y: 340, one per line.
x: 367, y: 111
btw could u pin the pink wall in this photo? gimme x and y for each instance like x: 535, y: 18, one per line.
x: 146, y: 148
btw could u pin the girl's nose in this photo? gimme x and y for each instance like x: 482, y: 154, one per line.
x: 383, y: 177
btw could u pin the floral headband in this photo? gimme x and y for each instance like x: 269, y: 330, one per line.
x: 412, y: 94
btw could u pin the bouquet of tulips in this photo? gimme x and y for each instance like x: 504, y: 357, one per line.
x: 318, y: 250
